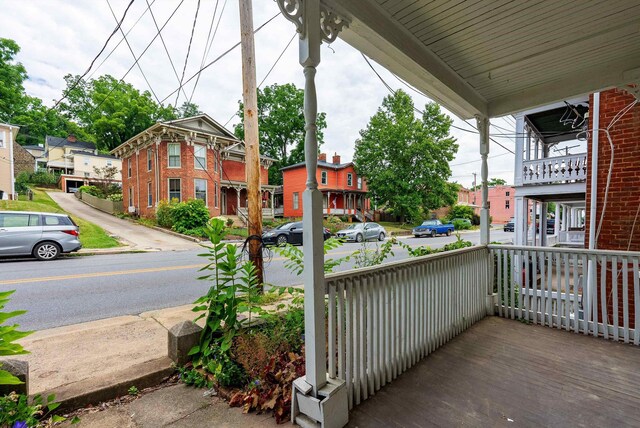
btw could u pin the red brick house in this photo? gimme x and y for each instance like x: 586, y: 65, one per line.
x: 190, y: 158
x: 501, y: 205
x: 343, y: 191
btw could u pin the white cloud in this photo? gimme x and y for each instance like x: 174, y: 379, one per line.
x: 59, y: 37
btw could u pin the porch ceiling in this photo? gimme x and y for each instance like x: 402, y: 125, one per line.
x: 499, y: 57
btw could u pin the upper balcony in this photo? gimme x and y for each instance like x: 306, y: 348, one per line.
x: 558, y: 169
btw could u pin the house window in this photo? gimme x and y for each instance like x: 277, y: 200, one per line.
x: 174, y: 189
x: 129, y: 167
x: 200, y: 157
x: 323, y: 177
x: 506, y: 204
x: 507, y: 193
x: 109, y: 163
x: 86, y: 161
x: 215, y: 195
x: 359, y: 181
x: 1, y: 140
x: 296, y: 200
x: 488, y: 205
x: 86, y: 175
x: 201, y: 189
x: 149, y: 195
x: 349, y: 179
x: 174, y: 155
x: 216, y: 159
x: 130, y: 196
x: 149, y: 160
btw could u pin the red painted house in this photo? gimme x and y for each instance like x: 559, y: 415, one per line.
x: 343, y: 191
x: 190, y: 158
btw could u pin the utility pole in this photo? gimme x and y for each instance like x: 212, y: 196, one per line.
x: 252, y: 149
x: 475, y: 189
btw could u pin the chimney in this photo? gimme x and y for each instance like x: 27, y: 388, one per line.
x: 322, y: 157
x: 336, y: 158
x: 71, y: 138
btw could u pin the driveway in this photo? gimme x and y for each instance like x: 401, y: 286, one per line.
x: 137, y: 236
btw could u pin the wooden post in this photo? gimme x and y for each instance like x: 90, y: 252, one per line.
x: 483, y: 129
x: 252, y: 148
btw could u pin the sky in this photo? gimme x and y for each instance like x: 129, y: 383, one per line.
x: 61, y: 37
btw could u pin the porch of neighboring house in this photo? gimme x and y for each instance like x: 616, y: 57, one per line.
x: 234, y: 202
x: 346, y: 203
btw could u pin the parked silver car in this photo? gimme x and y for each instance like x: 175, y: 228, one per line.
x: 359, y: 232
x: 43, y: 235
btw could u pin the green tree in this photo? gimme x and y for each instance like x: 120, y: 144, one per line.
x: 460, y: 211
x: 405, y: 159
x: 12, y: 75
x: 188, y: 109
x: 110, y: 110
x: 491, y: 182
x: 281, y: 126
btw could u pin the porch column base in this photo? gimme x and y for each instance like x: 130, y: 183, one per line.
x: 491, y: 302
x: 329, y: 410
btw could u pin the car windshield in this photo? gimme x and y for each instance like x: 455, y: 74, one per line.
x: 356, y: 226
x: 430, y: 222
x: 285, y: 226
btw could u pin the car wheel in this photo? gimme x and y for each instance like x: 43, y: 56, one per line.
x: 433, y: 233
x: 46, y: 251
x: 448, y: 232
x: 381, y: 236
x: 281, y: 240
x: 417, y: 236
x: 359, y: 238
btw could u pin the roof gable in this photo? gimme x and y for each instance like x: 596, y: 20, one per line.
x: 63, y: 142
x: 203, y: 123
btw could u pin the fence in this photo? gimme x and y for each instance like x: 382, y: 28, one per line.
x: 593, y: 292
x: 384, y: 319
x: 555, y: 169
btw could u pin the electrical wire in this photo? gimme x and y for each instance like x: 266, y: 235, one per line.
x: 75, y: 84
x: 422, y: 112
x: 186, y: 59
x: 132, y: 53
x: 218, y: 58
x: 207, y: 44
x: 153, y: 17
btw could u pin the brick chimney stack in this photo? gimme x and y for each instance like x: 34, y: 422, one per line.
x: 71, y: 138
x: 336, y: 158
x: 322, y: 157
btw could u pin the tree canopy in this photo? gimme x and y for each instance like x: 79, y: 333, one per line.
x: 405, y: 159
x: 281, y: 126
x: 491, y: 182
x: 12, y: 75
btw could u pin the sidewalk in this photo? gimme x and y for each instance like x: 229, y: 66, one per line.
x: 100, y: 360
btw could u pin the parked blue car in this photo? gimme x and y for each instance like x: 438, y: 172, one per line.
x: 432, y: 228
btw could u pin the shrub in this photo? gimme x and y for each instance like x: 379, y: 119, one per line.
x: 40, y: 178
x: 190, y: 216
x: 92, y: 190
x: 229, y: 222
x: 116, y: 197
x: 461, y: 225
x: 164, y: 213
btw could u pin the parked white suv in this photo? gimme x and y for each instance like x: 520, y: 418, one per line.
x: 43, y: 235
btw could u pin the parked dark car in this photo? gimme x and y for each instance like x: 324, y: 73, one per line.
x: 43, y: 235
x: 551, y: 226
x: 510, y: 225
x: 290, y: 233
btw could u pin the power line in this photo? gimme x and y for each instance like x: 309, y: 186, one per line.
x: 478, y: 160
x: 115, y: 30
x: 138, y: 59
x: 120, y: 42
x: 186, y: 59
x: 132, y: 53
x: 268, y: 73
x: 163, y: 43
x: 207, y: 44
x: 421, y: 112
x: 225, y: 53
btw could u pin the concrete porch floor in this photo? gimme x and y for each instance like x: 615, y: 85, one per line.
x: 505, y: 373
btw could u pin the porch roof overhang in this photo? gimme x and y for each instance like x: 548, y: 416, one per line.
x: 243, y: 185
x: 498, y: 57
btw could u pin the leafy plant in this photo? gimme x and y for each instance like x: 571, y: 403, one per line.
x: 295, y: 256
x: 365, y: 257
x: 189, y: 215
x: 234, y: 289
x: 9, y: 334
x: 92, y: 190
x: 16, y: 412
x: 194, y: 377
x: 133, y: 390
x: 164, y: 213
x: 461, y: 224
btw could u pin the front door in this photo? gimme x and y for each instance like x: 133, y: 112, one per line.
x: 223, y: 202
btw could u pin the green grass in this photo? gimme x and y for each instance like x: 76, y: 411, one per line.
x: 91, y: 235
x: 396, y: 227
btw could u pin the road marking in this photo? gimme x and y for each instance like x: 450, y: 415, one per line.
x: 97, y: 274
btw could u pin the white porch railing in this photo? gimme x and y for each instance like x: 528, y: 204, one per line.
x: 555, y: 169
x: 571, y: 237
x: 550, y: 286
x: 243, y: 213
x: 278, y: 211
x: 384, y: 319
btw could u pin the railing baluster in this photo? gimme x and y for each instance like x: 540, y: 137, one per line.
x: 499, y: 288
x: 625, y: 300
x: 603, y: 296
x: 593, y: 261
x: 357, y: 331
x: 543, y: 288
x: 341, y: 331
x: 558, y: 310
x: 614, y: 293
x: 534, y: 285
x: 576, y: 310
x: 586, y: 295
x: 636, y: 302
x: 567, y: 292
x: 331, y: 327
x: 511, y: 283
x: 349, y: 334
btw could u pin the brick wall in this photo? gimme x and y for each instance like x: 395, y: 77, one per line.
x: 623, y: 198
x: 499, y: 197
x: 22, y: 160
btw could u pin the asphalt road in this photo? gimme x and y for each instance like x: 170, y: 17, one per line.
x: 78, y: 289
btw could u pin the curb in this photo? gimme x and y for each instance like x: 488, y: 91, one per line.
x: 171, y: 232
x: 107, y: 387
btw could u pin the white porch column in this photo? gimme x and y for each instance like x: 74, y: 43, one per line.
x: 557, y: 220
x: 520, y: 141
x: 534, y: 211
x: 543, y: 224
x: 273, y: 205
x: 483, y: 129
x: 519, y: 227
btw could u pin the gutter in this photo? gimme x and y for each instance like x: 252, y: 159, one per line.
x: 11, y: 165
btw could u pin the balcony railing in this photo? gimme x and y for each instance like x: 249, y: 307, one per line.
x: 559, y: 169
x: 384, y: 319
x: 551, y: 286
